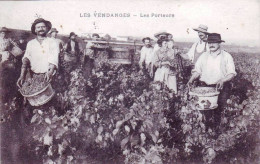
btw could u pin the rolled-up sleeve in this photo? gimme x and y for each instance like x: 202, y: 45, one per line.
x: 142, y: 56
x: 230, y: 65
x: 198, y: 66
x: 27, y: 53
x: 191, y: 52
x: 53, y: 57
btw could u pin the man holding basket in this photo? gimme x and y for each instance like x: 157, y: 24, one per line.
x: 215, y: 69
x: 40, y: 60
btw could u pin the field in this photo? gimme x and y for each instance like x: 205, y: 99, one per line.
x: 117, y: 114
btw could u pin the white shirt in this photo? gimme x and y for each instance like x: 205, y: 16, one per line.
x: 59, y: 42
x: 40, y: 55
x: 200, y: 48
x: 214, y: 66
x: 146, y: 55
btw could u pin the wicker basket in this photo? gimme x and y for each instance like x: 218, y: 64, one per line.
x: 205, y: 101
x: 41, y: 97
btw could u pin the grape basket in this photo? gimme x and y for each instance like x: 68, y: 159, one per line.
x: 206, y: 98
x: 39, y: 96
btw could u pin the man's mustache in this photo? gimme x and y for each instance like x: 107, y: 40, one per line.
x: 211, y: 47
x: 41, y: 31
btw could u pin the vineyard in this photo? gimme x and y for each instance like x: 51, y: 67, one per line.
x: 119, y: 115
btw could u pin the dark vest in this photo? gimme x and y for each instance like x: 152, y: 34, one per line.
x: 68, y: 49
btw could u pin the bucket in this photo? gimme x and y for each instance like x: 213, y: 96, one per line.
x: 206, y: 98
x: 41, y: 97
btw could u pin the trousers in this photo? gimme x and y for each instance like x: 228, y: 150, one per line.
x: 213, y: 117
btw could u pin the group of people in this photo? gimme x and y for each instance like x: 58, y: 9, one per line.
x: 211, y: 65
x: 160, y: 60
x: 45, y: 54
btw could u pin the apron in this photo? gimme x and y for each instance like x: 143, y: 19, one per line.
x: 161, y: 74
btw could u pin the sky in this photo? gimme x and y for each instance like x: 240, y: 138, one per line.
x: 237, y: 21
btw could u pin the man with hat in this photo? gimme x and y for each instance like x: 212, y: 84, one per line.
x: 146, y: 56
x: 41, y: 55
x: 89, y: 52
x: 72, y: 45
x: 95, y: 36
x: 7, y: 66
x: 6, y: 44
x: 54, y: 32
x: 198, y: 47
x: 72, y: 52
x: 215, y: 68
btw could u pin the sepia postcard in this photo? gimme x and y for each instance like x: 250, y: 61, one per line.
x: 134, y: 82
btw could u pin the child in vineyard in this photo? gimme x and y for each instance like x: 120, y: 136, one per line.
x: 165, y: 62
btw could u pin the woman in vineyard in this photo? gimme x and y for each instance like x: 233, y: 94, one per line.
x: 166, y: 64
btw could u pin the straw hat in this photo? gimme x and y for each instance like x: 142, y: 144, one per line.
x: 202, y: 28
x: 157, y: 35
